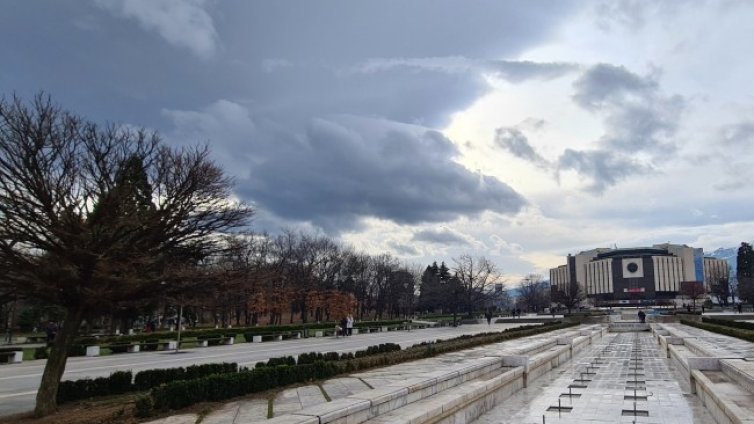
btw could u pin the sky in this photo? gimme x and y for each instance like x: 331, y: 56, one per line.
x: 520, y: 131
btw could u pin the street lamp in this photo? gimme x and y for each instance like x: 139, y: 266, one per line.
x: 180, y: 319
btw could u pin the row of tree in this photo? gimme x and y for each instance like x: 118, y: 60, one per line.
x: 106, y: 221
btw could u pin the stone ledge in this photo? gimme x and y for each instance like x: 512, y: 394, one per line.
x: 724, y: 409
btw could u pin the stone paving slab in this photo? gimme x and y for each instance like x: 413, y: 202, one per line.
x: 176, y: 419
x: 247, y: 411
x: 617, y: 365
x: 341, y: 387
x: 296, y: 399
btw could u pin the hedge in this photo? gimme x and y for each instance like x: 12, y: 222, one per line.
x: 730, y: 323
x: 117, y: 383
x: 148, y: 379
x: 121, y: 381
x: 722, y: 329
x: 181, y: 394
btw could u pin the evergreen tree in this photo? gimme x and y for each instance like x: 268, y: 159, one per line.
x: 745, y: 272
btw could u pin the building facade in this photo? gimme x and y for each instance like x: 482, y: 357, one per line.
x: 643, y: 275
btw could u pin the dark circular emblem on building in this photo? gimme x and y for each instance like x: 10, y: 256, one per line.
x: 632, y: 267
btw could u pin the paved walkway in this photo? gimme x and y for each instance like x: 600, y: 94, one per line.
x: 626, y: 369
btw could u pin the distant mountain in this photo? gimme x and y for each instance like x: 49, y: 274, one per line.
x: 730, y: 254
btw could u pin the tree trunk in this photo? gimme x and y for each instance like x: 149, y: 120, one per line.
x: 48, y: 388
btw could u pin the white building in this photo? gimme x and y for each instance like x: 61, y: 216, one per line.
x: 639, y: 275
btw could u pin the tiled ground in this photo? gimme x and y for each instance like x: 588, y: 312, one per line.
x: 602, y: 381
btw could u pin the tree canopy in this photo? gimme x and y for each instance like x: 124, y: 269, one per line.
x: 92, y: 216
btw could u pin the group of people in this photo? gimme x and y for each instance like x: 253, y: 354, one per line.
x: 516, y: 312
x: 346, y: 326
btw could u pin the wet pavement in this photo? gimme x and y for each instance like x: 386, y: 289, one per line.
x: 623, y: 378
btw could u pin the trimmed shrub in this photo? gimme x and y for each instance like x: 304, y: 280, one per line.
x: 117, y: 383
x: 144, y: 406
x: 180, y: 394
x: 148, y: 379
x: 41, y: 353
x: 374, y: 350
x: 722, y: 329
x: 285, y: 360
x: 729, y: 323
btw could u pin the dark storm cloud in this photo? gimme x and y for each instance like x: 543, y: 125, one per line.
x: 514, y: 141
x: 344, y: 169
x: 442, y: 236
x: 639, y: 120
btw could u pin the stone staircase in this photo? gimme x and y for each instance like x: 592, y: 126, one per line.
x: 456, y: 387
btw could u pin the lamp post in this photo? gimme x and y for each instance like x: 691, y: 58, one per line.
x: 180, y: 324
x: 180, y: 319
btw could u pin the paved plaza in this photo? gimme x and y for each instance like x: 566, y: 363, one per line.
x: 624, y: 378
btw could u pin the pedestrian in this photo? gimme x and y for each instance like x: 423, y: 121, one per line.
x: 740, y: 308
x: 349, y: 325
x: 518, y: 312
x: 642, y: 316
x: 702, y: 308
x: 343, y: 326
x: 488, y: 315
x: 51, y: 330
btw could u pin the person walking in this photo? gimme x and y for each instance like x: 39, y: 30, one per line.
x: 349, y: 325
x: 488, y: 315
x: 642, y: 316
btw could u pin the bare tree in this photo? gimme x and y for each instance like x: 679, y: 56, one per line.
x: 477, y: 276
x: 93, y: 216
x: 693, y: 290
x: 533, y: 292
x: 571, y: 297
x: 720, y: 286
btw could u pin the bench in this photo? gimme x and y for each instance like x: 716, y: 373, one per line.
x: 36, y: 339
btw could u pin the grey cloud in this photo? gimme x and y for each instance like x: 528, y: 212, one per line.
x: 639, y: 120
x: 441, y: 236
x: 185, y: 24
x: 514, y: 141
x: 602, y: 168
x: 344, y: 168
x: 518, y: 71
x: 605, y: 85
x: 510, y: 70
x: 287, y: 71
x: 402, y: 249
x: 740, y: 134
